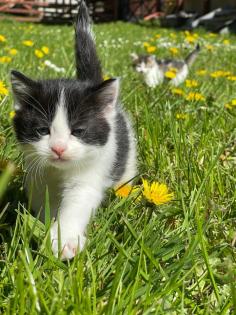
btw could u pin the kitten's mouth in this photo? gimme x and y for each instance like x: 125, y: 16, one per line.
x: 59, y: 160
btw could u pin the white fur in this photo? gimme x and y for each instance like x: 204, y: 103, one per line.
x: 76, y: 184
x: 153, y: 76
x: 180, y: 76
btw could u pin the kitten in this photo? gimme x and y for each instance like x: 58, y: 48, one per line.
x: 76, y: 140
x: 154, y: 70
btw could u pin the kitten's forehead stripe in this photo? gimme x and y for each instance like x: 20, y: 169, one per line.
x: 59, y: 125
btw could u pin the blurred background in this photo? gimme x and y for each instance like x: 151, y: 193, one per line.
x: 215, y: 15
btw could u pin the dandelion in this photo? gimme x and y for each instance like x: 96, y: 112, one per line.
x: 219, y: 74
x: 2, y: 38
x: 173, y: 35
x: 194, y: 96
x: 125, y: 190
x: 191, y: 38
x: 38, y: 53
x: 3, y: 90
x: 28, y: 43
x: 151, y: 49
x: 201, y: 72
x: 45, y: 50
x: 232, y: 77
x: 146, y: 44
x: 211, y: 35
x: 231, y: 105
x: 12, y: 114
x: 191, y: 83
x: 209, y: 47
x: 226, y: 42
x: 174, y: 50
x: 171, y: 73
x: 181, y: 116
x: 106, y: 77
x: 156, y: 193
x: 158, y: 36
x: 13, y: 51
x: 177, y: 91
x: 5, y: 59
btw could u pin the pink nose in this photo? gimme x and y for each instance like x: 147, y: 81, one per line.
x: 58, y: 149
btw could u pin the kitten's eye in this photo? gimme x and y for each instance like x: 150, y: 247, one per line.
x: 77, y: 132
x: 43, y: 131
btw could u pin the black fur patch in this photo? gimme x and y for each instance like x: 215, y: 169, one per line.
x: 38, y: 102
x: 122, y: 140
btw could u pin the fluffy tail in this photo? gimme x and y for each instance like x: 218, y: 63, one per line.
x: 88, y: 66
x: 192, y: 56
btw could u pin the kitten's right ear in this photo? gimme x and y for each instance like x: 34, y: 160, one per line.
x: 21, y: 85
x: 134, y: 57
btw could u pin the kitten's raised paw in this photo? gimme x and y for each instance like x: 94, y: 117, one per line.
x: 69, y: 245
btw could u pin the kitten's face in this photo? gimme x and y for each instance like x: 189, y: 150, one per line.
x: 143, y: 64
x: 63, y: 122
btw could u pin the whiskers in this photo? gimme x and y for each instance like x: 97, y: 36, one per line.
x: 35, y: 165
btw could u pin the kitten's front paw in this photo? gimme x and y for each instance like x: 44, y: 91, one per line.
x: 71, y: 242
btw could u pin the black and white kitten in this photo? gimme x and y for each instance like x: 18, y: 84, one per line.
x: 154, y: 69
x: 76, y: 140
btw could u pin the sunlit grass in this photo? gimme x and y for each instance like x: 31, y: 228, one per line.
x: 175, y: 258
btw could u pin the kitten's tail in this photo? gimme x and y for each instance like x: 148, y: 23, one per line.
x: 88, y: 66
x: 193, y: 55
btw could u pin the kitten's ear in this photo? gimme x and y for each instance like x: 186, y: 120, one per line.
x: 134, y: 57
x: 107, y: 94
x: 21, y: 85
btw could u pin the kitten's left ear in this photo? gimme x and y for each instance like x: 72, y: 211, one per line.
x: 21, y: 85
x: 108, y: 93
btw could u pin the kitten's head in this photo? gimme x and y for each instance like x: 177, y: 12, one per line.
x: 143, y: 63
x: 63, y: 122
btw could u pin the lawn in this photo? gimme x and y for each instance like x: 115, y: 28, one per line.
x: 141, y: 258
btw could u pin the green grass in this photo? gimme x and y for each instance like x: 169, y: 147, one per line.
x: 178, y: 258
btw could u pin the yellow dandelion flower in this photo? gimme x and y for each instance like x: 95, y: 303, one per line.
x: 38, y: 53
x: 173, y: 35
x: 177, y: 91
x: 209, y: 47
x: 219, y: 74
x: 201, y: 72
x: 194, y: 96
x: 174, y: 50
x: 5, y: 59
x: 211, y: 35
x: 171, y: 73
x: 232, y: 78
x: 12, y: 114
x: 226, y: 42
x: 3, y: 90
x: 190, y: 39
x: 106, y: 77
x: 45, y: 50
x: 181, y: 116
x: 28, y: 43
x: 125, y: 190
x: 156, y: 193
x: 13, y: 51
x: 158, y: 36
x: 191, y: 83
x: 228, y: 106
x: 151, y: 49
x: 233, y: 102
x: 146, y: 44
x: 2, y: 38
